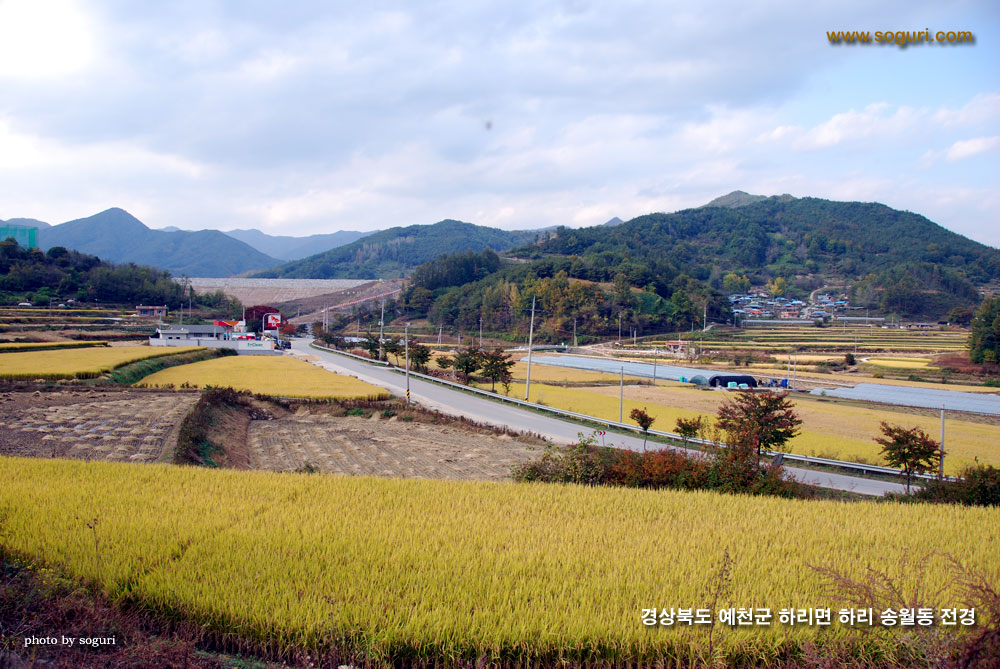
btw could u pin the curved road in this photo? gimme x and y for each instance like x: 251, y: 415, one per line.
x: 456, y: 403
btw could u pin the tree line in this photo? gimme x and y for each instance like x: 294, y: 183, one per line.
x: 60, y: 274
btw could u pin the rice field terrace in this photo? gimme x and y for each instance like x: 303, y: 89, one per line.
x: 414, y: 572
x: 860, y: 338
x: 20, y: 319
x: 278, y: 376
x: 78, y: 363
x: 42, y: 345
x: 830, y: 429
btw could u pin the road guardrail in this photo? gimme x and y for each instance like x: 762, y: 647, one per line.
x: 793, y: 457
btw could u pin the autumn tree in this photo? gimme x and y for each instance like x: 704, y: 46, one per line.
x: 644, y: 421
x: 688, y: 428
x: 468, y: 361
x: 254, y: 316
x: 909, y: 449
x: 392, y: 346
x: 758, y: 421
x: 419, y: 355
x: 778, y: 287
x: 444, y: 362
x: 984, y: 335
x: 736, y: 283
x: 371, y: 344
x: 496, y: 364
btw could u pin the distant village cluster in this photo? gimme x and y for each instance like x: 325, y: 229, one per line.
x: 761, y: 305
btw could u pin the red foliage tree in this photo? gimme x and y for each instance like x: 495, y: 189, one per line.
x: 255, y: 314
x: 758, y: 421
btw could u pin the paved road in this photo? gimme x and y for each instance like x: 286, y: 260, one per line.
x: 457, y: 403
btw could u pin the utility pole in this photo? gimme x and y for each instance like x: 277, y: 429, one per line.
x: 440, y: 330
x: 621, y: 396
x: 941, y: 453
x: 654, y: 365
x: 704, y: 317
x: 635, y: 333
x: 406, y: 344
x: 531, y: 336
x: 619, y: 329
x: 480, y: 332
x: 381, y: 330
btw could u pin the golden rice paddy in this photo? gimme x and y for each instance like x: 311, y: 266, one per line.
x: 79, y: 363
x: 279, y: 376
x: 829, y: 429
x: 409, y: 569
x: 29, y: 346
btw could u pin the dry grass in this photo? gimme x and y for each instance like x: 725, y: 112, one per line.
x: 278, y: 376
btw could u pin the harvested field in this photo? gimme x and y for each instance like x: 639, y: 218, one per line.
x: 384, y: 447
x: 124, y: 426
x: 141, y: 426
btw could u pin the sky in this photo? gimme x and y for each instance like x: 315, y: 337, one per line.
x: 316, y: 116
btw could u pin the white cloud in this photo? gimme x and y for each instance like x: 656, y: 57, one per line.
x: 982, y: 108
x: 971, y: 147
x: 318, y: 116
x: 44, y: 39
x: 875, y: 121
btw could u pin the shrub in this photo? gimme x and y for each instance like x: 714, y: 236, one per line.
x: 979, y: 485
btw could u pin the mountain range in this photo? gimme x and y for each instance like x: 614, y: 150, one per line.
x: 394, y: 252
x: 116, y: 236
x: 759, y: 236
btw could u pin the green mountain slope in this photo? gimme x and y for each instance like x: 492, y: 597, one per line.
x: 804, y: 240
x: 779, y: 237
x: 117, y: 236
x: 394, y: 252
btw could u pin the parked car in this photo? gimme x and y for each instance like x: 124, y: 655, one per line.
x: 24, y: 304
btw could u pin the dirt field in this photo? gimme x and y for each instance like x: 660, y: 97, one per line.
x: 142, y: 426
x: 111, y: 425
x: 380, y: 446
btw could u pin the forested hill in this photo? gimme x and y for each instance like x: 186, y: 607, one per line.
x: 61, y: 274
x: 394, y: 252
x: 783, y: 237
